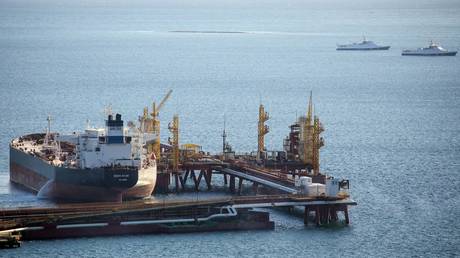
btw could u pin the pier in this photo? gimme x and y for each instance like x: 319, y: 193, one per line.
x: 289, y: 179
x: 151, y: 216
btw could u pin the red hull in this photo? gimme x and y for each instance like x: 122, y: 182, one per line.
x: 26, y: 177
x: 138, y: 192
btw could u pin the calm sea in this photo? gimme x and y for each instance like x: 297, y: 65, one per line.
x: 392, y: 122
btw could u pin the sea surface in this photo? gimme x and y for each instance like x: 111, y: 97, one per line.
x: 392, y: 122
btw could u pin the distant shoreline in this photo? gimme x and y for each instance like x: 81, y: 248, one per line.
x: 207, y: 31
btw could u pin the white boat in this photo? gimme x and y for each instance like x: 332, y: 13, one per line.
x: 364, y: 45
x: 432, y: 50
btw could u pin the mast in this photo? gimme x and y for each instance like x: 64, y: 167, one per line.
x: 224, y: 139
x: 48, y: 131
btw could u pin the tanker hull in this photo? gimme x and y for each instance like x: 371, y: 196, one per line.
x: 74, y: 184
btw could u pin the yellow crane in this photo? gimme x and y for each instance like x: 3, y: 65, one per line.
x: 174, y: 129
x: 318, y: 142
x: 312, y: 142
x: 156, y: 124
x: 308, y: 133
x: 152, y: 125
x: 146, y: 122
x: 262, y: 130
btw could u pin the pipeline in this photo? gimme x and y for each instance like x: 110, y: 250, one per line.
x: 230, y: 212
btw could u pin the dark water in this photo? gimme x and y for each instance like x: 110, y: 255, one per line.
x: 392, y: 122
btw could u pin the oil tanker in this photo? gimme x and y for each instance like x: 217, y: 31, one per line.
x: 98, y: 164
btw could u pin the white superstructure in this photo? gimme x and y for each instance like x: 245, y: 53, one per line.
x: 432, y: 50
x: 106, y: 147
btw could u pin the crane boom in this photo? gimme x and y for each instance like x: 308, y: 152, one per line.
x: 155, y: 123
x: 166, y: 97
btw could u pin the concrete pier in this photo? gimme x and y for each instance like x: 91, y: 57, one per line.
x: 135, y: 217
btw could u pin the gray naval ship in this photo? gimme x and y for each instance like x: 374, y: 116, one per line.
x: 364, y: 45
x: 432, y: 50
x: 98, y: 164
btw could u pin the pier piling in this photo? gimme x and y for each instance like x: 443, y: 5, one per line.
x: 345, y: 211
x: 240, y: 185
x: 305, y: 215
x: 232, y: 183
